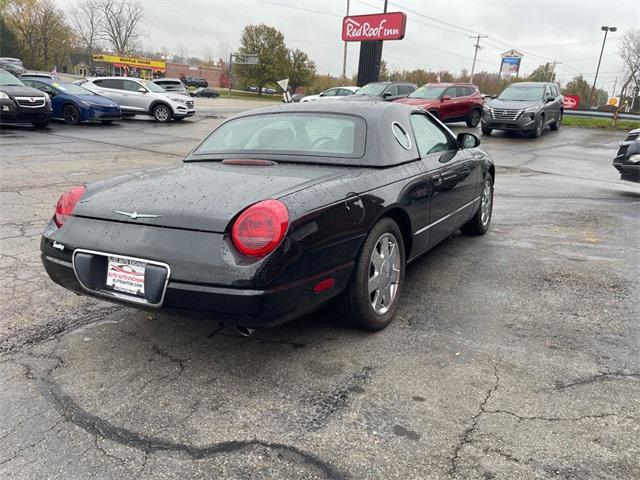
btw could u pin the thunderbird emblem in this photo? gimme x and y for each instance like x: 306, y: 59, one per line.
x: 135, y: 215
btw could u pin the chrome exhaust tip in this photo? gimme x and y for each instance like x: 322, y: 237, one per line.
x: 244, y: 331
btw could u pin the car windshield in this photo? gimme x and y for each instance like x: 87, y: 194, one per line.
x: 428, y: 92
x: 71, y: 88
x: 295, y: 134
x: 372, y: 89
x: 152, y: 87
x: 522, y: 94
x: 8, y: 80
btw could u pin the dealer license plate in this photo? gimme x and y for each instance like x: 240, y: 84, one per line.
x: 126, y: 276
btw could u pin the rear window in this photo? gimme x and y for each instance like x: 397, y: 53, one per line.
x: 313, y: 134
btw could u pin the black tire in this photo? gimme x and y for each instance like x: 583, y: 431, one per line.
x: 479, y: 223
x: 538, y: 129
x: 355, y: 304
x: 40, y: 124
x: 474, y: 118
x: 556, y: 125
x: 486, y: 130
x: 161, y: 113
x: 71, y: 114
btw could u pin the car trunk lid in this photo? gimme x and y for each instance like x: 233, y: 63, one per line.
x: 202, y: 196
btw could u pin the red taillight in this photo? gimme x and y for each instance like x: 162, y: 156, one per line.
x: 260, y: 228
x: 66, y: 204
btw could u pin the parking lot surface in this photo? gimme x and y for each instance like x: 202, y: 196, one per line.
x: 514, y: 355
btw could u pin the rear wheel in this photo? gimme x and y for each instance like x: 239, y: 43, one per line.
x: 474, y: 118
x: 486, y: 130
x: 161, y: 113
x: 71, y: 114
x: 370, y: 300
x: 479, y: 223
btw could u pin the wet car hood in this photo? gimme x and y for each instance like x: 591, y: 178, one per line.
x: 202, y: 196
x: 21, y: 91
x: 513, y: 104
x: 96, y: 100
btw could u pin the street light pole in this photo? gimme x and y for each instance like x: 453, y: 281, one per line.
x: 344, y: 58
x: 606, y: 30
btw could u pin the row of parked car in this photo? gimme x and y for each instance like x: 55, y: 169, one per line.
x: 524, y: 106
x: 37, y: 98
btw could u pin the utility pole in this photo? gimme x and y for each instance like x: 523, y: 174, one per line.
x: 475, y: 53
x: 615, y: 84
x: 344, y: 59
x: 606, y: 30
x: 555, y: 62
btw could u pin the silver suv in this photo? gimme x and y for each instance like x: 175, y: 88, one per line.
x: 143, y: 97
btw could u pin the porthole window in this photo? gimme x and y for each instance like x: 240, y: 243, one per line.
x: 401, y: 135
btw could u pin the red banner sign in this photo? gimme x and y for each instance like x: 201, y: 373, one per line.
x: 571, y: 102
x: 382, y: 26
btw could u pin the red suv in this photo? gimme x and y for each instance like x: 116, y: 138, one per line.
x: 450, y: 102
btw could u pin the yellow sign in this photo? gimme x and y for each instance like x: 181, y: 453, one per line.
x: 134, y: 62
x: 613, y: 101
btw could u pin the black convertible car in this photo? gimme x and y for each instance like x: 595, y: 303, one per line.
x: 275, y: 213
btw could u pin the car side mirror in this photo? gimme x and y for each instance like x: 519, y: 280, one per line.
x: 445, y: 98
x: 551, y: 99
x: 386, y: 94
x: 142, y: 90
x: 468, y: 140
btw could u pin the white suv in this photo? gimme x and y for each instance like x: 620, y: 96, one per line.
x: 137, y: 96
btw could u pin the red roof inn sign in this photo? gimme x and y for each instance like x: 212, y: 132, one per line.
x: 383, y: 26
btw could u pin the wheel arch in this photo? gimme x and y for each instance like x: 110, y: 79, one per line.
x: 492, y: 172
x: 155, y: 103
x: 402, y: 219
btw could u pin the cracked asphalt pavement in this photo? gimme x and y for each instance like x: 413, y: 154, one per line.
x: 513, y: 355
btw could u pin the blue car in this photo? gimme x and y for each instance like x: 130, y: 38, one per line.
x: 75, y: 104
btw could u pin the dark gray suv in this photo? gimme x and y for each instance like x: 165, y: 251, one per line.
x: 526, y: 107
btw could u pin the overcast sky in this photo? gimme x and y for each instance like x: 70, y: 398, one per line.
x: 544, y: 30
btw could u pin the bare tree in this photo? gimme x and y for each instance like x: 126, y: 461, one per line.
x: 87, y: 24
x: 181, y: 55
x: 630, y: 54
x: 224, y: 50
x: 121, y: 27
x: 207, y: 56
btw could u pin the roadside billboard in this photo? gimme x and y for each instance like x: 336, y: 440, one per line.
x: 510, y: 66
x: 571, y: 102
x: 382, y: 26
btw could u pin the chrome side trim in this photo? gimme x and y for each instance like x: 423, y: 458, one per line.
x: 117, y: 295
x: 424, y: 229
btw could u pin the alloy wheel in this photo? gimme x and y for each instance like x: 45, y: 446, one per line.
x: 486, y: 203
x: 384, y: 273
x: 161, y: 113
x: 71, y: 115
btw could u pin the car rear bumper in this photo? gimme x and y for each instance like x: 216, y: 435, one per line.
x: 247, y: 307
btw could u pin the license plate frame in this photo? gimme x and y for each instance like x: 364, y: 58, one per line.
x: 106, y: 292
